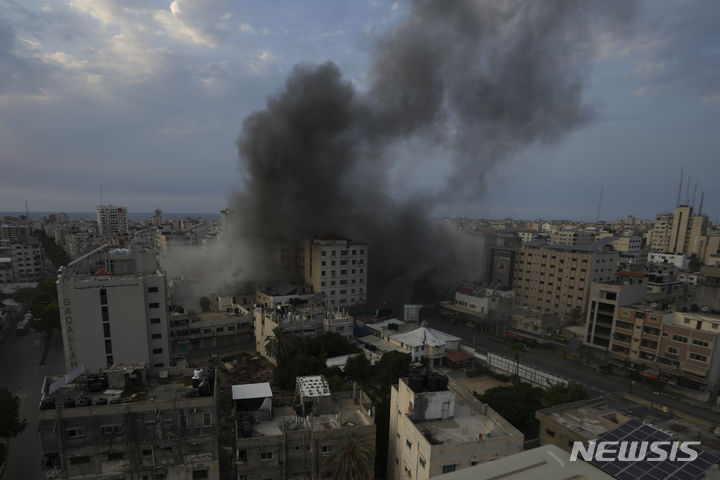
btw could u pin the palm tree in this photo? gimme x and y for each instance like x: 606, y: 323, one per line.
x: 354, y: 460
x: 277, y: 346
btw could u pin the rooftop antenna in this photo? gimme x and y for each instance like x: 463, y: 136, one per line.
x: 682, y: 167
x: 27, y: 211
x: 687, y: 191
x: 694, y: 193
x: 599, y: 205
x: 702, y: 200
x: 101, y: 196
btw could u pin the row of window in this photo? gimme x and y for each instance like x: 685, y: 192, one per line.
x: 344, y: 253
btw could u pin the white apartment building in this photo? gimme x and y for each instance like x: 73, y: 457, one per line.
x: 437, y: 427
x: 573, y: 237
x: 112, y: 219
x: 113, y: 309
x: 336, y: 266
x: 676, y: 260
x: 27, y: 260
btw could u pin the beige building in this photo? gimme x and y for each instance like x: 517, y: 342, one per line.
x: 112, y: 219
x: 130, y: 422
x: 556, y: 279
x: 669, y: 345
x: 293, y: 437
x: 605, y: 297
x: 336, y: 266
x: 573, y: 237
x: 304, y: 321
x: 680, y: 232
x: 438, y: 427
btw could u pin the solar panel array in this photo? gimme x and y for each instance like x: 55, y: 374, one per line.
x: 635, y: 431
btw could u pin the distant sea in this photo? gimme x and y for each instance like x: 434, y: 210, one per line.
x: 132, y: 216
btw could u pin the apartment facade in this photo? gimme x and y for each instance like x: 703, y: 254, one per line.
x: 113, y: 309
x: 437, y: 427
x: 294, y: 437
x: 605, y: 298
x: 555, y: 279
x: 337, y: 267
x: 26, y: 259
x: 680, y: 232
x: 573, y: 237
x: 98, y: 427
x: 112, y: 219
x: 675, y: 344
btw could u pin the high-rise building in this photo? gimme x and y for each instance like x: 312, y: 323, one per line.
x: 113, y: 309
x: 157, y: 218
x: 112, y: 219
x: 336, y: 266
x: 556, y: 279
x: 436, y: 428
x: 680, y: 232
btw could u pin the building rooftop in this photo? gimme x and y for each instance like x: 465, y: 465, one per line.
x: 251, y: 390
x: 588, y: 248
x: 313, y: 386
x: 592, y: 418
x: 425, y: 336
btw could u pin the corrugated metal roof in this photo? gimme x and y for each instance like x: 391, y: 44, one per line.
x: 251, y: 390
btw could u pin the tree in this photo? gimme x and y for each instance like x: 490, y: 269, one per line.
x: 561, y: 393
x: 280, y: 345
x: 517, y: 403
x: 353, y: 460
x: 358, y: 368
x: 10, y: 423
x: 391, y: 366
x: 576, y: 316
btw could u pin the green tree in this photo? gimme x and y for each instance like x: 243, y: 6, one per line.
x: 353, y: 460
x: 358, y: 368
x: 10, y: 423
x: 391, y: 366
x: 561, y: 393
x: 517, y: 403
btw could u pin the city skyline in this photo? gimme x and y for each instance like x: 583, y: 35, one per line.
x: 150, y: 112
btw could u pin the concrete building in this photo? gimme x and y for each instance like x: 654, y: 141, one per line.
x: 197, y: 333
x: 336, y: 266
x: 572, y: 237
x: 668, y: 345
x: 425, y: 345
x: 112, y: 219
x: 113, y: 309
x: 680, y: 232
x: 677, y: 260
x: 605, y: 298
x: 500, y: 267
x: 293, y: 437
x: 629, y: 247
x: 304, y: 321
x: 438, y: 427
x: 541, y: 463
x: 283, y: 293
x: 489, y: 309
x: 26, y: 259
x: 556, y: 279
x: 6, y: 270
x: 131, y: 422
x: 586, y: 420
x: 707, y: 294
x: 15, y: 229
x: 665, y: 290
x: 527, y: 236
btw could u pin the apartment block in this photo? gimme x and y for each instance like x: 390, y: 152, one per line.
x: 489, y: 308
x: 295, y: 437
x: 196, y: 333
x: 26, y: 260
x: 679, y: 232
x: 573, y: 237
x: 112, y: 219
x: 132, y: 423
x: 304, y: 321
x: 605, y: 298
x: 438, y: 427
x: 113, y: 309
x: 556, y: 279
x: 336, y: 266
x: 670, y: 345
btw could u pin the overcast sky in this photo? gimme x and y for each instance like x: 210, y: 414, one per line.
x: 145, y: 99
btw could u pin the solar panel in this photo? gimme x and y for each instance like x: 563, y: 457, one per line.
x: 635, y: 431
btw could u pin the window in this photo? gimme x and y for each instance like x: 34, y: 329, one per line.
x: 679, y: 338
x: 115, y: 456
x: 79, y: 460
x: 702, y: 343
x: 200, y: 474
x: 108, y: 347
x: 105, y: 314
x: 75, y: 432
x: 698, y: 357
x: 672, y: 351
x: 157, y: 351
x: 408, y: 443
x: 154, y: 321
x: 152, y: 289
x: 156, y: 336
x: 207, y: 419
x: 147, y: 452
x: 106, y: 330
x: 103, y: 296
x: 448, y: 468
x: 242, y: 456
x: 422, y: 461
x: 265, y: 455
x: 111, y: 430
x: 154, y: 305
x: 550, y: 432
x: 326, y: 449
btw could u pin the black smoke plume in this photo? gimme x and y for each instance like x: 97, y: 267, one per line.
x: 477, y: 80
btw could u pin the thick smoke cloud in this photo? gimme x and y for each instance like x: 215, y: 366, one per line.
x: 479, y: 79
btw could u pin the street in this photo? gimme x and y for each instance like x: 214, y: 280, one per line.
x: 596, y: 383
x: 22, y: 374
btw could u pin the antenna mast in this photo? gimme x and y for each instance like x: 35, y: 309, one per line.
x: 682, y: 168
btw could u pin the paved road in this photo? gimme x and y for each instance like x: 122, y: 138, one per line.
x: 22, y: 374
x: 597, y: 383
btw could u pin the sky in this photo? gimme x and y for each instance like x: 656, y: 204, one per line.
x: 144, y: 99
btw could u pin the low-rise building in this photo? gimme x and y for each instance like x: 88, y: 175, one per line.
x: 196, y: 333
x: 437, y: 426
x: 675, y: 259
x: 131, y: 422
x: 295, y: 437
